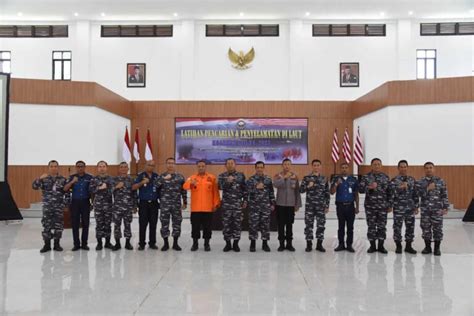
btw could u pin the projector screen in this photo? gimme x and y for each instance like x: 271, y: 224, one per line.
x: 3, y: 125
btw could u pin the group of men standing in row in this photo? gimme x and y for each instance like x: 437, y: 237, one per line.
x: 115, y: 199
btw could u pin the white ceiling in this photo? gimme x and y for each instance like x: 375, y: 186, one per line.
x: 133, y: 10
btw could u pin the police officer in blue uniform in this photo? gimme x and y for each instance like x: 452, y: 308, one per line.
x: 78, y: 185
x: 345, y: 187
x: 148, y: 205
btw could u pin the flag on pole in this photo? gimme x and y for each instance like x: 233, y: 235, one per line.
x: 335, y: 148
x: 136, y: 147
x: 346, y: 147
x: 148, y: 150
x: 358, y: 151
x: 126, y: 153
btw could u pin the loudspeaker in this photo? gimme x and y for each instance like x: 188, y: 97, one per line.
x: 469, y: 215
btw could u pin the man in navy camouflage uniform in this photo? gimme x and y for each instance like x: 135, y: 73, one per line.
x: 404, y: 207
x: 125, y: 204
x: 376, y: 187
x: 51, y: 186
x: 102, y: 187
x: 261, y: 201
x: 170, y: 185
x: 434, y: 204
x: 316, y: 188
x: 234, y: 200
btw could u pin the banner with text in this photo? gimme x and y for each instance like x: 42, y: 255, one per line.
x: 247, y: 140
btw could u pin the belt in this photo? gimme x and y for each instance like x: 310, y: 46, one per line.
x: 148, y: 201
x: 345, y: 203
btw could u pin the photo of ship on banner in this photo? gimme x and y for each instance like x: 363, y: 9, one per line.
x: 247, y: 140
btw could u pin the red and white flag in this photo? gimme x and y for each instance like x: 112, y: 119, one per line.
x: 148, y: 150
x: 335, y: 148
x: 346, y: 147
x: 126, y: 153
x: 136, y: 147
x: 358, y: 150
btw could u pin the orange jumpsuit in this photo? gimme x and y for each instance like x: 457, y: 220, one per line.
x: 205, y: 195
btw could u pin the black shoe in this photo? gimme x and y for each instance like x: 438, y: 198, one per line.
x: 437, y: 251
x: 372, y: 247
x: 265, y: 246
x: 282, y: 246
x: 319, y: 246
x: 207, y: 247
x: 252, y: 246
x: 75, y: 248
x: 236, y: 247
x: 166, y: 246
x: 46, y: 247
x: 108, y: 245
x: 427, y: 249
x: 309, y: 246
x: 195, y: 245
x: 99, y: 244
x: 85, y: 247
x: 350, y: 249
x: 381, y: 248
x: 153, y: 246
x: 409, y: 249
x: 289, y: 246
x: 340, y: 247
x: 141, y: 248
x: 57, y: 246
x: 128, y: 245
x: 399, y: 247
x: 117, y: 245
x: 175, y: 244
x: 228, y: 246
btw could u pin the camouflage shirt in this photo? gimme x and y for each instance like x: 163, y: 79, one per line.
x: 234, y: 192
x: 432, y: 199
x: 260, y: 196
x: 52, y: 190
x: 318, y: 195
x: 380, y: 196
x: 171, y: 191
x: 404, y: 198
x: 102, y: 196
x: 125, y: 196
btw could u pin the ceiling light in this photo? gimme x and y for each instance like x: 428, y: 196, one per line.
x: 241, y: 14
x: 175, y: 14
x: 382, y: 13
x: 102, y: 14
x: 307, y: 13
x: 76, y: 14
x: 410, y: 12
x: 20, y: 13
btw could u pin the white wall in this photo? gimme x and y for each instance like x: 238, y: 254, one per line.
x: 293, y: 66
x: 442, y: 133
x: 39, y: 133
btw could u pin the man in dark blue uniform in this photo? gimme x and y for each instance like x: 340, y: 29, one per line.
x: 78, y: 185
x: 147, y: 205
x: 346, y: 188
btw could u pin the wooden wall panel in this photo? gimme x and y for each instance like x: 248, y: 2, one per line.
x: 323, y: 117
x: 55, y: 92
x: 458, y: 180
x: 20, y: 179
x: 444, y: 90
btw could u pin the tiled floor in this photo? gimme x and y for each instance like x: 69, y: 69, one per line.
x: 217, y: 283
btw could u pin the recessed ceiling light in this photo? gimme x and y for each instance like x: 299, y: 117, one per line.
x: 382, y: 13
x: 76, y: 14
x: 102, y: 14
x: 410, y: 12
x: 175, y: 14
x: 241, y: 14
x: 20, y: 13
x: 307, y: 13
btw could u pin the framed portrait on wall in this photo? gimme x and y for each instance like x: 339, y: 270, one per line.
x: 136, y: 75
x: 349, y: 74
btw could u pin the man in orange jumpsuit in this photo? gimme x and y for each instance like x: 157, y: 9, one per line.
x: 205, y: 200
